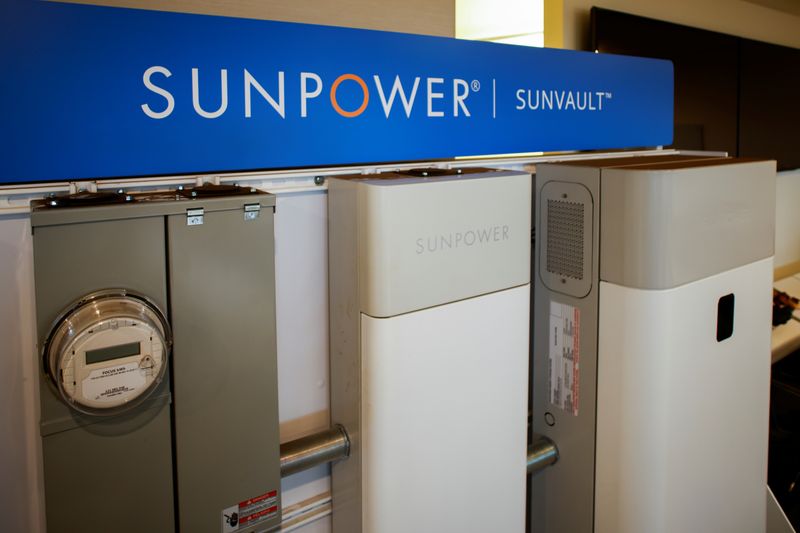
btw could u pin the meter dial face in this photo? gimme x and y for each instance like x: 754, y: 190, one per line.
x: 108, y: 352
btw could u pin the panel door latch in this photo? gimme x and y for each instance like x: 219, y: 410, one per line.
x: 251, y: 211
x: 194, y: 216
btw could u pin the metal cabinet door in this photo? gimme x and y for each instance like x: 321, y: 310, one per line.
x: 222, y: 293
x: 103, y: 474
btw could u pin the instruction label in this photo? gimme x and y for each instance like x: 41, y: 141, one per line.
x: 250, y: 511
x: 114, y: 383
x: 565, y: 354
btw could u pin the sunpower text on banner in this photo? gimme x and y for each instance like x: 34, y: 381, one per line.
x: 93, y: 99
x: 311, y: 88
x: 437, y: 93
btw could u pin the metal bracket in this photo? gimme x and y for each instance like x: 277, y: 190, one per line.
x: 251, y: 211
x: 194, y: 216
x: 81, y: 186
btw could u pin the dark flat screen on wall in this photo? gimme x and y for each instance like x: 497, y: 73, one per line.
x: 731, y: 94
x: 769, y: 103
x: 705, y: 73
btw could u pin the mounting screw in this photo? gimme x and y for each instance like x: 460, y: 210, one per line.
x: 549, y: 419
x: 319, y: 180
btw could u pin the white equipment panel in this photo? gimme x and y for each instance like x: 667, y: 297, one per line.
x: 445, y: 414
x: 665, y: 439
x: 430, y: 314
x: 658, y: 283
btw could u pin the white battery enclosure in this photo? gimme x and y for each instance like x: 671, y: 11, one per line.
x: 664, y: 266
x: 430, y: 309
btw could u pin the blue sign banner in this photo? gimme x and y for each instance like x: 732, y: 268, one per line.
x: 97, y: 92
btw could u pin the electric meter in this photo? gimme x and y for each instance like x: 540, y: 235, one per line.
x: 108, y: 352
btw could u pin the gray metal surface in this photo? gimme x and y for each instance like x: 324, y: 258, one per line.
x: 115, y: 475
x: 562, y: 497
x: 142, y: 209
x: 222, y: 294
x: 102, y: 474
x: 320, y: 448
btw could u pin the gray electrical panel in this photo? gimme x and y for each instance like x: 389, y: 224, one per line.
x: 156, y: 328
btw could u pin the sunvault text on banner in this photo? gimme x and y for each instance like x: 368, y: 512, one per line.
x: 111, y: 92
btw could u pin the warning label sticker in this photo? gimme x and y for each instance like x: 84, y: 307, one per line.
x: 250, y: 511
x: 114, y: 383
x: 565, y: 355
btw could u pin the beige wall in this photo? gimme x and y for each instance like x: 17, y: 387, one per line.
x: 735, y: 17
x: 429, y: 17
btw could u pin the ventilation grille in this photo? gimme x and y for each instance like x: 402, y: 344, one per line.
x: 565, y: 238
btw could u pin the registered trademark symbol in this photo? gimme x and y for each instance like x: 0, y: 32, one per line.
x: 476, y: 85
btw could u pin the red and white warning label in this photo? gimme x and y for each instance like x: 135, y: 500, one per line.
x: 565, y: 356
x: 250, y: 511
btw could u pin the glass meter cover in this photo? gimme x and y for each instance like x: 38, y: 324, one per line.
x: 108, y: 352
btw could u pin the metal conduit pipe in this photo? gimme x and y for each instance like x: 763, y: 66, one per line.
x: 542, y: 453
x: 333, y: 445
x: 307, y: 452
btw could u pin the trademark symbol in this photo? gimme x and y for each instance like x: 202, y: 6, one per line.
x: 476, y: 85
x: 609, y: 95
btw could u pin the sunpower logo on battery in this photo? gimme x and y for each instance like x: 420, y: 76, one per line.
x: 312, y: 87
